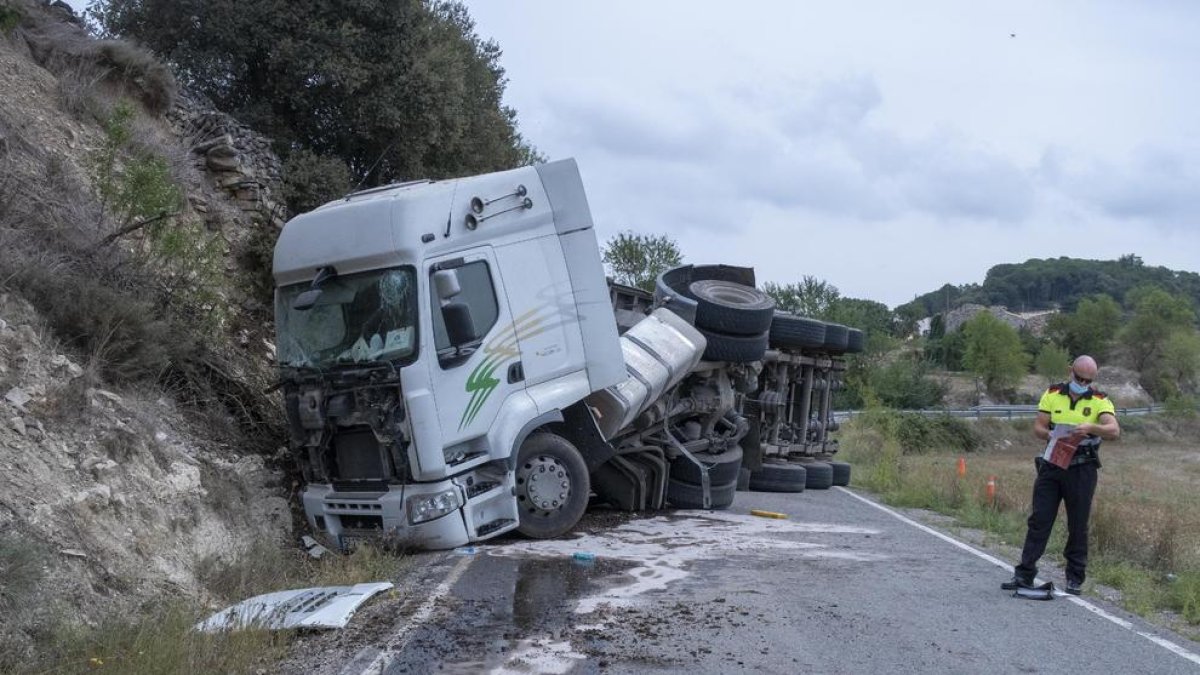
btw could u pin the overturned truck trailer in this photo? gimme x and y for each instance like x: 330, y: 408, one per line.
x: 454, y: 365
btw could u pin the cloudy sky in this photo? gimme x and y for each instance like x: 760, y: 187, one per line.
x: 885, y: 147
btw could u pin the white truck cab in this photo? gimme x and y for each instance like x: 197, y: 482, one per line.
x: 441, y: 323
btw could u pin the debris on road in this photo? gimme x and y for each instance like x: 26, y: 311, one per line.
x: 768, y: 514
x: 321, y: 607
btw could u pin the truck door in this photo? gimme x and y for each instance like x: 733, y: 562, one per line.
x: 544, y: 304
x: 471, y: 381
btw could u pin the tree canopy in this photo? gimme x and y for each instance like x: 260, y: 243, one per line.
x: 637, y: 259
x: 1057, y: 283
x: 395, y: 89
x: 811, y: 297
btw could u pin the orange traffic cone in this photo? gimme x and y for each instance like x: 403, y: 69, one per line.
x: 962, y: 467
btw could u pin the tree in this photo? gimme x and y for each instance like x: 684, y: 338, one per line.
x: 395, y: 89
x: 637, y: 259
x: 1157, y: 314
x: 1051, y: 362
x: 1180, y: 370
x: 993, y: 352
x: 811, y: 297
x: 1090, y: 329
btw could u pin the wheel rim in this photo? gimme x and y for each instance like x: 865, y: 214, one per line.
x: 731, y: 295
x: 544, y: 484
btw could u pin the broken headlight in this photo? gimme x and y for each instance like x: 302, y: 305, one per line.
x: 427, y: 507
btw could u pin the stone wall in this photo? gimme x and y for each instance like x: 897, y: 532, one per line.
x: 235, y: 159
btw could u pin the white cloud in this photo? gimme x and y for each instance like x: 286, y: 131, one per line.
x: 888, y: 148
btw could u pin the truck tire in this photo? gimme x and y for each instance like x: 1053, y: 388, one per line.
x: 774, y: 477
x: 734, y: 348
x: 743, y: 483
x: 687, y: 496
x: 841, y: 473
x: 819, y: 475
x: 796, y: 332
x: 836, y: 336
x: 855, y: 341
x: 723, y: 468
x: 552, y: 486
x: 731, y: 309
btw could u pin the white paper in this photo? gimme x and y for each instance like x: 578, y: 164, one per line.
x: 1059, y: 431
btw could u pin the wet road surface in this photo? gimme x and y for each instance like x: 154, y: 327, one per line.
x: 838, y: 587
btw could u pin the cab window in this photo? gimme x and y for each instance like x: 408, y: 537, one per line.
x: 479, y: 295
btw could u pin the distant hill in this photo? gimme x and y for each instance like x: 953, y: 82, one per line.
x: 1054, y: 283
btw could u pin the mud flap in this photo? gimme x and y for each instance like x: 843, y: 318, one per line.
x: 1042, y: 592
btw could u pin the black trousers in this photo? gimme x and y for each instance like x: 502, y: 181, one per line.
x: 1074, y: 487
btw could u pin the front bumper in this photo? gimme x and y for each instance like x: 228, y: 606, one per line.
x: 343, y: 519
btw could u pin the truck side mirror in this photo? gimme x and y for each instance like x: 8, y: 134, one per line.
x: 446, y: 283
x: 460, y: 327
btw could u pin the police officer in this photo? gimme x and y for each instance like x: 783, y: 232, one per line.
x: 1075, y: 402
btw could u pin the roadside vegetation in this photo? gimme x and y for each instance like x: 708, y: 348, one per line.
x: 161, y: 639
x: 1145, y: 525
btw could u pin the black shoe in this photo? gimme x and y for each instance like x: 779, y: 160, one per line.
x: 1016, y: 582
x: 1074, y: 588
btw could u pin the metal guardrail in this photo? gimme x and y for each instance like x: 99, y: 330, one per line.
x: 994, y: 411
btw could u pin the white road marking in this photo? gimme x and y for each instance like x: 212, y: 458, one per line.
x: 394, y: 645
x: 1162, y: 642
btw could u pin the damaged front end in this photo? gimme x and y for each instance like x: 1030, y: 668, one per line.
x: 351, y: 437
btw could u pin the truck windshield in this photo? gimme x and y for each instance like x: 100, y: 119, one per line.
x: 358, y: 318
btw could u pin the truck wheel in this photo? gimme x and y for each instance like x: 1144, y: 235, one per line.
x: 687, y: 496
x: 552, y: 486
x: 841, y: 473
x: 855, y: 341
x: 797, y: 332
x: 820, y: 475
x: 732, y: 309
x: 734, y: 348
x: 836, y: 336
x: 774, y: 477
x: 723, y: 468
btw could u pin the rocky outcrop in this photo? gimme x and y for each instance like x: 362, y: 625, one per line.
x: 114, y: 496
x: 1034, y: 321
x: 236, y: 160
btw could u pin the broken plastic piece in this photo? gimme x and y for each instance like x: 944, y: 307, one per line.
x: 768, y: 514
x: 314, y: 548
x: 1042, y: 592
x: 584, y: 556
x: 466, y: 550
x: 322, y: 607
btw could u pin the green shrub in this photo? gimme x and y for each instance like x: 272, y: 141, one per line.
x: 918, y: 433
x: 905, y: 383
x: 10, y: 18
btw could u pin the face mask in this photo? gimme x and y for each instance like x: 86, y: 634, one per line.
x: 1078, y: 389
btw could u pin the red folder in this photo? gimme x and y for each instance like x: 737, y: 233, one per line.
x: 1064, y: 450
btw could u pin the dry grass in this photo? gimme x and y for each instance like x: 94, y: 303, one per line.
x: 1145, y: 528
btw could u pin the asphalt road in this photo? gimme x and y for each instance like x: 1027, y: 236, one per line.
x: 839, y: 587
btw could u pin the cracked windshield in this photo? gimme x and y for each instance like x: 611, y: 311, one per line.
x: 356, y: 319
